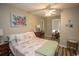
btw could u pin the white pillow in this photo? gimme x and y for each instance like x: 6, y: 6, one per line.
x: 12, y: 39
x: 31, y: 35
x: 22, y: 37
x: 19, y: 36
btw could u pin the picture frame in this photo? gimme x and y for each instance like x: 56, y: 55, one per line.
x: 17, y: 20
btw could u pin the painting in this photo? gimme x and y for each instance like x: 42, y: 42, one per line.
x: 17, y: 20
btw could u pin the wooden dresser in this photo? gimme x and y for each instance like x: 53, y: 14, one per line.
x: 39, y: 34
x: 4, y: 49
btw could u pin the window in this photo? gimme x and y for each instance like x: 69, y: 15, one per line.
x: 55, y: 25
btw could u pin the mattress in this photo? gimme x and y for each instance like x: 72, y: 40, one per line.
x: 26, y: 44
x: 28, y: 48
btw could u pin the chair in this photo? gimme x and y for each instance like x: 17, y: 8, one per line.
x: 56, y: 36
x: 72, y: 46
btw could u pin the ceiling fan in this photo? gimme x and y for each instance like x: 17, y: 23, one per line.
x: 46, y: 7
x: 48, y: 11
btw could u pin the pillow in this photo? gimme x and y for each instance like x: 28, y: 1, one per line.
x: 12, y: 39
x: 31, y: 35
x: 14, y: 42
x: 19, y: 37
x: 23, y: 37
x: 27, y: 36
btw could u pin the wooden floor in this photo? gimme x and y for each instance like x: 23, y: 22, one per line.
x: 65, y: 52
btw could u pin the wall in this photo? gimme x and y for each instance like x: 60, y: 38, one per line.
x: 48, y: 27
x: 67, y: 32
x: 5, y: 11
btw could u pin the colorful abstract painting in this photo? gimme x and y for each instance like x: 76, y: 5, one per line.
x: 18, y: 20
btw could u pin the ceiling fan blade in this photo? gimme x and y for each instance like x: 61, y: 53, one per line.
x: 47, y: 7
x: 37, y: 10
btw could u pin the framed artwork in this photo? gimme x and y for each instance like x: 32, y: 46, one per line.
x: 17, y: 20
x: 70, y: 25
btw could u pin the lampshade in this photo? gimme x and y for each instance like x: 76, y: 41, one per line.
x: 38, y: 26
x: 53, y: 31
x: 1, y: 32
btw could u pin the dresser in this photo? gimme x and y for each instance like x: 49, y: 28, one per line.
x: 4, y: 49
x: 39, y: 34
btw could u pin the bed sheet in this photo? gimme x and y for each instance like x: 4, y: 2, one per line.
x: 28, y: 48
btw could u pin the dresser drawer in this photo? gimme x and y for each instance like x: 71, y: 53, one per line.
x: 4, y: 46
x: 4, y: 49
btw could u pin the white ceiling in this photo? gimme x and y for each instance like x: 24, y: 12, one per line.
x: 32, y: 7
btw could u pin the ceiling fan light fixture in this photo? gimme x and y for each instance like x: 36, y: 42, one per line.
x: 50, y: 12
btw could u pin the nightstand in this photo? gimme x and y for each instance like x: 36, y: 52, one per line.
x: 39, y: 34
x: 4, y: 49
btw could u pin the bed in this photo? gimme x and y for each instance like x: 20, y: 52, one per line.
x: 27, y: 44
